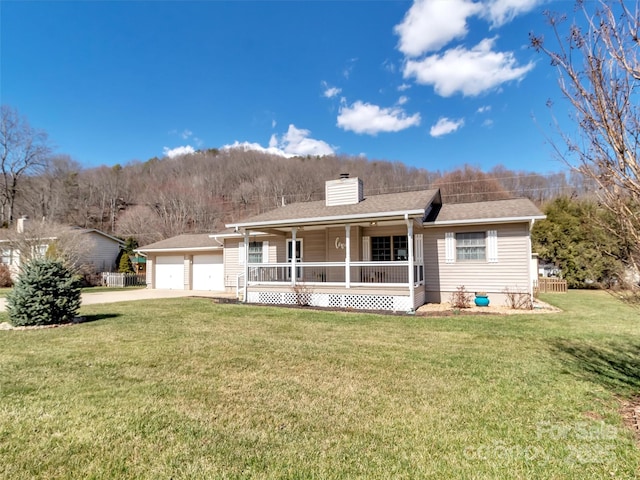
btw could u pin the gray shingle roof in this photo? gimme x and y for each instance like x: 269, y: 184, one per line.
x: 496, y: 209
x: 51, y: 231
x: 184, y: 242
x: 382, y: 204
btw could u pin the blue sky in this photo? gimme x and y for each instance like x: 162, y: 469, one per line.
x: 432, y: 83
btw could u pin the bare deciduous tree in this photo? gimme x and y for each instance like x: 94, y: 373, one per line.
x: 599, y: 71
x: 469, y: 184
x: 23, y: 151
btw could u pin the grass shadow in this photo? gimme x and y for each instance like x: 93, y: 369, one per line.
x: 615, y: 365
x: 96, y: 317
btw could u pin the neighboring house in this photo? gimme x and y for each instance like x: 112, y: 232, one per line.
x: 548, y: 269
x: 96, y: 251
x: 387, y: 252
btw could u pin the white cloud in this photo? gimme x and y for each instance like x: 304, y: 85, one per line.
x: 444, y: 126
x: 363, y: 117
x: 330, y: 92
x: 403, y: 99
x: 430, y: 24
x: 500, y: 12
x: 403, y: 87
x: 470, y: 72
x: 178, y: 151
x: 186, y: 134
x: 484, y: 109
x: 295, y: 142
x: 488, y: 123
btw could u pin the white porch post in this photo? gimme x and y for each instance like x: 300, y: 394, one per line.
x: 347, y: 256
x: 411, y: 261
x: 246, y: 265
x: 293, y: 256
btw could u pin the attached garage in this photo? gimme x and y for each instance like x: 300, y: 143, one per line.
x: 186, y: 262
x: 169, y: 272
x: 208, y: 272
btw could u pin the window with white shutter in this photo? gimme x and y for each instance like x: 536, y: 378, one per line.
x: 449, y: 247
x: 366, y: 249
x: 492, y: 246
x: 241, y: 253
x: 471, y: 246
x: 418, y: 248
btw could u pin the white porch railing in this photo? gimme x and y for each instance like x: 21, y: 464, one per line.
x: 333, y: 273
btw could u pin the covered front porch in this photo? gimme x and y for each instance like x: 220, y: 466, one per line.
x: 368, y: 265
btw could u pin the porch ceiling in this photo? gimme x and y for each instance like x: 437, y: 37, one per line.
x: 307, y: 227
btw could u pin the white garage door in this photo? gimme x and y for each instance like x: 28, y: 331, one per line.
x: 170, y: 272
x: 208, y: 272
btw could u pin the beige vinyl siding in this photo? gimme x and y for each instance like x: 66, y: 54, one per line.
x: 232, y: 265
x: 346, y: 191
x: 334, y: 254
x: 231, y: 257
x: 102, y: 253
x: 312, y: 245
x: 511, y: 270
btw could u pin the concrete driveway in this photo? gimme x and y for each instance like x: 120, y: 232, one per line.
x: 140, y: 294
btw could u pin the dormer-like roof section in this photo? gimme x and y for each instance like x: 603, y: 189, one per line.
x: 376, y: 207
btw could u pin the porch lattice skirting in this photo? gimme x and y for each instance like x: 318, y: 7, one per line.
x: 397, y: 303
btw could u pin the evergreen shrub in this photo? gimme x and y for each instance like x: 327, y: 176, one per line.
x: 125, y: 266
x: 45, y: 293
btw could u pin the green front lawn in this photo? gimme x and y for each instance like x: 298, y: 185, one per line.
x: 5, y: 291
x: 186, y: 388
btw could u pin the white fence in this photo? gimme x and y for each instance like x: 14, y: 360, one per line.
x: 110, y: 279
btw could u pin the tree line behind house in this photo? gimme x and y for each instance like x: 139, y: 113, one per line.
x: 201, y: 192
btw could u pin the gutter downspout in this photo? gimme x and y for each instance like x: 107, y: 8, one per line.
x: 531, y: 223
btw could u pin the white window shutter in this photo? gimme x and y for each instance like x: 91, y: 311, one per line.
x: 241, y: 253
x: 418, y: 248
x: 449, y: 247
x: 366, y: 249
x: 492, y: 246
x: 265, y: 252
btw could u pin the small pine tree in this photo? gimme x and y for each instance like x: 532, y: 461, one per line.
x: 45, y: 293
x: 125, y: 264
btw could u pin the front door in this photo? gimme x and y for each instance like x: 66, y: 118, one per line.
x: 298, y: 257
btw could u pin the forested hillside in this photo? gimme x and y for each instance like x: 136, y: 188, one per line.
x: 201, y: 192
